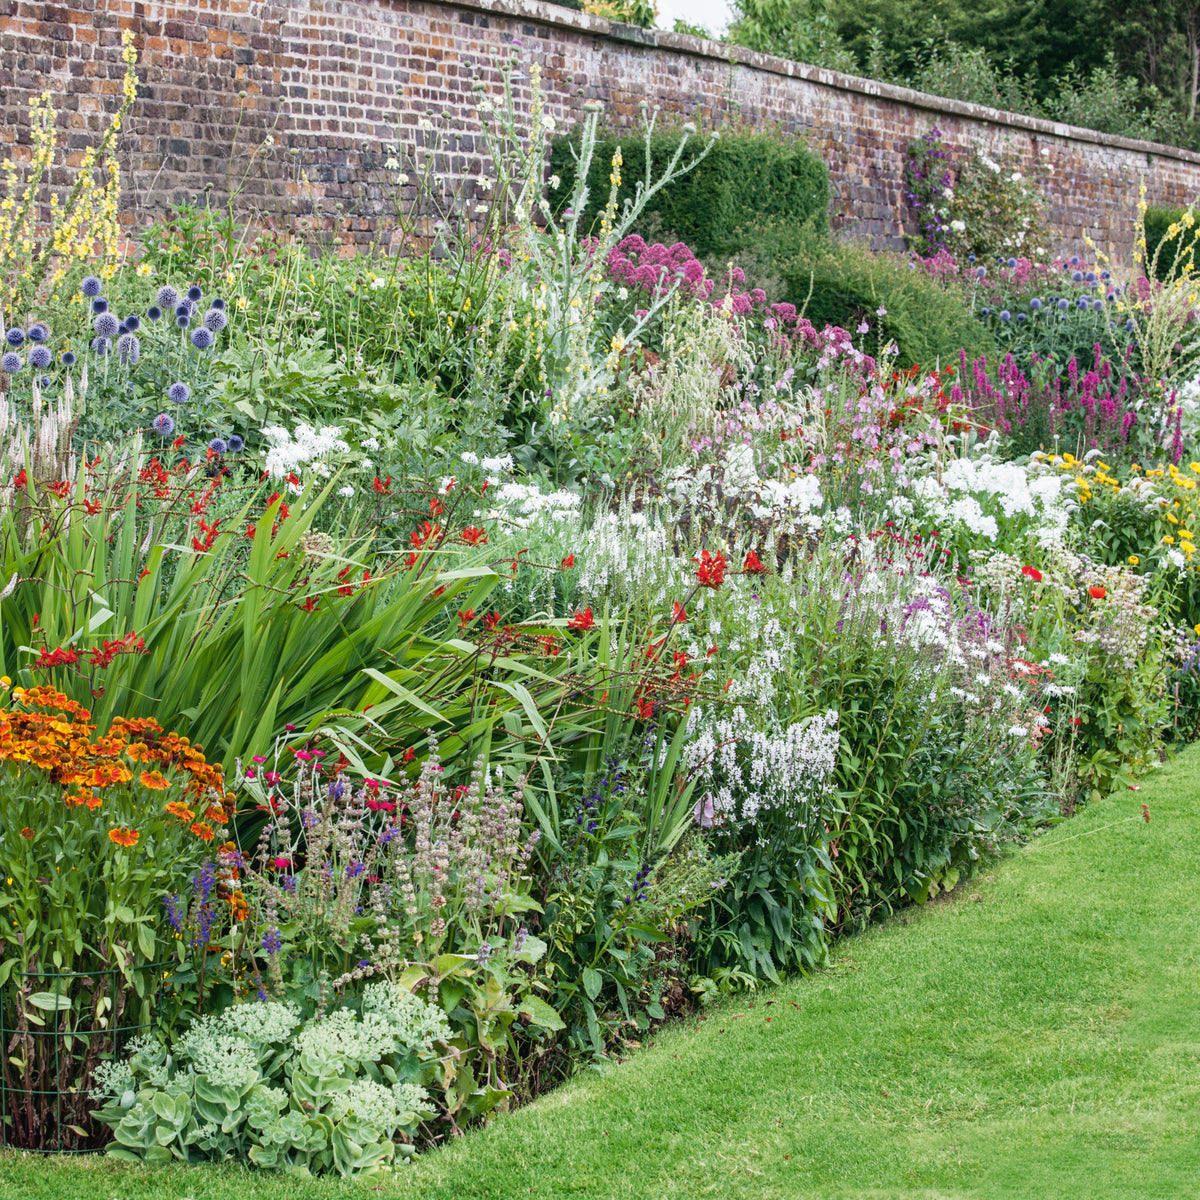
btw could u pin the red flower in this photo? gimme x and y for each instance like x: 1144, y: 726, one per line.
x: 1146, y: 813
x: 1033, y: 573
x: 491, y: 621
x: 465, y: 618
x: 679, y: 614
x: 409, y: 754
x: 62, y: 657
x: 384, y: 488
x: 712, y: 569
x: 754, y: 565
x: 474, y: 536
x: 582, y: 620
x: 568, y: 562
x: 1097, y: 593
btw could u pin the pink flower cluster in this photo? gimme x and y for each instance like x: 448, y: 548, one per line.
x: 657, y: 268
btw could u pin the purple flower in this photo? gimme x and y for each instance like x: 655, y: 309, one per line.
x: 271, y: 941
x: 91, y: 286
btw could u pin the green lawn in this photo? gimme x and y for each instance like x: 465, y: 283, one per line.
x: 1038, y: 1037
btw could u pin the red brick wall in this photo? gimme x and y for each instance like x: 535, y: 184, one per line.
x: 333, y: 81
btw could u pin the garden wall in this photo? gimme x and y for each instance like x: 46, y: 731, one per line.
x: 335, y: 83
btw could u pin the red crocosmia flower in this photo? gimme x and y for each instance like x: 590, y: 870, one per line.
x: 384, y: 488
x: 645, y: 709
x: 1033, y: 573
x: 582, y: 620
x: 465, y: 618
x: 712, y: 650
x: 474, y: 536
x: 178, y: 443
x: 1097, y: 593
x: 409, y: 754
x: 568, y: 562
x: 754, y: 565
x: 491, y: 621
x: 679, y: 614
x: 711, y: 571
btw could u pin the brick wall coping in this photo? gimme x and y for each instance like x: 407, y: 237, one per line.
x: 569, y: 18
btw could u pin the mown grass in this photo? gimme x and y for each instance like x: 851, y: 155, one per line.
x: 1038, y: 1037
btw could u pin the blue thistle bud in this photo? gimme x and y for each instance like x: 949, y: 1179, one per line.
x: 218, y: 445
x: 91, y: 286
x: 39, y: 356
x: 154, y: 313
x: 133, y: 322
x: 179, y: 393
x: 68, y: 358
x: 167, y: 297
x: 15, y: 337
x: 38, y: 332
x: 236, y: 444
x: 215, y: 320
x: 218, y: 303
x: 202, y: 338
x: 11, y: 363
x: 99, y: 305
x: 164, y: 425
x: 194, y: 293
x: 106, y: 325
x: 182, y: 322
x: 1035, y: 304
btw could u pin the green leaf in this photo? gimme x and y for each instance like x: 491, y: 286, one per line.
x: 49, y: 1002
x: 541, y: 1013
x: 593, y: 981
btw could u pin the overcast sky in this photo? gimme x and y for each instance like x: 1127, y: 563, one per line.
x: 713, y: 14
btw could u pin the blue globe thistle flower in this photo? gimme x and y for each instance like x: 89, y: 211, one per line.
x: 101, y: 345
x: 985, y: 312
x: 11, y: 363
x: 202, y: 338
x: 179, y: 393
x: 99, y: 305
x: 1012, y: 263
x: 235, y: 444
x: 1022, y: 318
x: 971, y: 259
x: 182, y: 322
x: 1129, y: 323
x: 183, y: 309
x: 106, y: 325
x: 133, y: 322
x: 40, y: 356
x: 154, y: 313
x: 45, y: 382
x: 91, y: 286
x: 1005, y: 315
x: 38, y: 332
x: 164, y: 425
x: 129, y: 348
x: 122, y: 328
x: 1074, y: 260
x: 980, y: 272
x: 1106, y: 275
x: 1097, y: 306
x: 68, y: 358
x: 1111, y: 297
x: 218, y: 445
x: 216, y: 320
x: 194, y: 293
x: 1090, y: 277
x: 1077, y: 276
x: 1035, y: 303
x: 166, y: 296
x: 1063, y: 306
x: 218, y: 303
x: 1083, y: 303
x: 15, y: 337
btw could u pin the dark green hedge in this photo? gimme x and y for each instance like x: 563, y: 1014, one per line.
x: 744, y: 177
x: 844, y: 284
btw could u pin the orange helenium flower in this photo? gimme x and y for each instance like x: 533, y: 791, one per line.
x: 124, y: 837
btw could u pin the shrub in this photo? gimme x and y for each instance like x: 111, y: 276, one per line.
x: 846, y: 285
x: 743, y: 178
